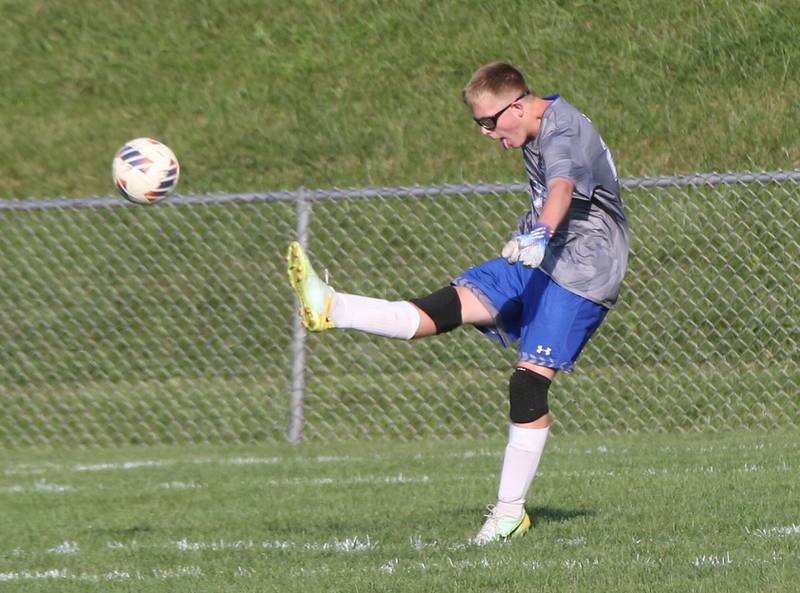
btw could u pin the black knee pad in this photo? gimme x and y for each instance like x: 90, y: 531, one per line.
x: 528, y: 395
x: 443, y: 307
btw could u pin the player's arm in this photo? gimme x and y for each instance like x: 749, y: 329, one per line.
x: 559, y: 197
x: 530, y: 247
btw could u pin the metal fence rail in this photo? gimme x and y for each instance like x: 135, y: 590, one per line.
x: 174, y: 323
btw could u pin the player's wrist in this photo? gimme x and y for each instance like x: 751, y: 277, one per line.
x: 541, y: 227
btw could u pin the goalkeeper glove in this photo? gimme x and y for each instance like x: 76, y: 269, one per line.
x: 528, y: 248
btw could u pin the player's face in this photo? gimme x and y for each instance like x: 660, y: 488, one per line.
x: 500, y: 117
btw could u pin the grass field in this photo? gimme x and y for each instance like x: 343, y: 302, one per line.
x: 169, y: 326
x: 712, y: 513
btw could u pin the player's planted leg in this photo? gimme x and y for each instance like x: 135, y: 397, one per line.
x: 526, y: 439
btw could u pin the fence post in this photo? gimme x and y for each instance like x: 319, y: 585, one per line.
x: 294, y: 433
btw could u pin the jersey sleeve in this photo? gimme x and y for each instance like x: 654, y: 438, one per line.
x: 563, y: 156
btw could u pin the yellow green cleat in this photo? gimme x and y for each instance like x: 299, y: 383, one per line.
x: 315, y: 295
x: 502, y: 528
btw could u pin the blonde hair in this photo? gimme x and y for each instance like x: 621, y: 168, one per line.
x: 496, y: 78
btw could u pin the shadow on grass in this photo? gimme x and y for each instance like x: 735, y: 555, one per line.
x: 541, y: 515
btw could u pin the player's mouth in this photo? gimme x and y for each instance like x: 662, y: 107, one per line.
x: 506, y: 144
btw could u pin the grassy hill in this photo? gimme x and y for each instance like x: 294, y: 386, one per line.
x: 264, y: 95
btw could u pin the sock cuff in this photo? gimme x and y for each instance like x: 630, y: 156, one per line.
x: 527, y: 439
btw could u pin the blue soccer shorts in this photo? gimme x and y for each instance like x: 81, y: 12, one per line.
x: 551, y: 323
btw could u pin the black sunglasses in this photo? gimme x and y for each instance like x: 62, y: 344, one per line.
x: 490, y: 122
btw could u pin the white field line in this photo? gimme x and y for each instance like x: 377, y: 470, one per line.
x: 180, y: 485
x: 341, y: 545
x: 775, y: 531
x: 396, y: 479
x: 352, y: 544
x: 395, y: 565
x: 67, y: 548
x: 320, y: 481
x: 35, y: 469
x: 575, y: 541
x: 661, y: 472
x: 38, y: 468
x: 390, y: 566
x: 362, y: 543
x: 124, y: 465
x: 38, y: 486
x: 356, y: 543
x: 602, y: 450
x: 158, y: 574
x: 713, y: 560
x: 674, y: 449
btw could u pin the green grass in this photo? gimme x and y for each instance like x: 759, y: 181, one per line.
x: 668, y: 513
x: 170, y: 326
x: 268, y: 95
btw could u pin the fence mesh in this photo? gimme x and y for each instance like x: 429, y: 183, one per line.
x: 173, y: 324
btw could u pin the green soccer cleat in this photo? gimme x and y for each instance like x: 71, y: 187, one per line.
x: 501, y: 528
x: 315, y: 295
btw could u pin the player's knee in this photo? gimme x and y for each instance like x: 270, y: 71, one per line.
x: 443, y: 307
x: 528, y: 395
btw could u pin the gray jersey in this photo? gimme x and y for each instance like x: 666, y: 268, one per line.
x: 588, y: 254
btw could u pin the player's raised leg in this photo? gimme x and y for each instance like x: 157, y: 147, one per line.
x: 322, y: 308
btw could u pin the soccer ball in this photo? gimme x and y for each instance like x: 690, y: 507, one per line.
x: 145, y: 171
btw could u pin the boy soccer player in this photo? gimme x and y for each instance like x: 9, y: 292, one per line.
x: 557, y: 278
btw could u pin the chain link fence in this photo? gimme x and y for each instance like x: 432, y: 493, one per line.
x: 175, y: 324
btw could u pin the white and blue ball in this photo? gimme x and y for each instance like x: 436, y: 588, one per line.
x: 145, y: 171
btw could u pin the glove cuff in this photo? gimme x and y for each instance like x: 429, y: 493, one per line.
x: 548, y: 229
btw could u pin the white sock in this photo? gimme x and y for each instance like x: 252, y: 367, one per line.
x: 523, y: 453
x: 391, y: 319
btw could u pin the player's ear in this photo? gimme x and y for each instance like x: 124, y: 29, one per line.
x: 519, y: 108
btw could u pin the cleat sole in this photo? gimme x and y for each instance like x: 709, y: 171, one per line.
x: 298, y: 269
